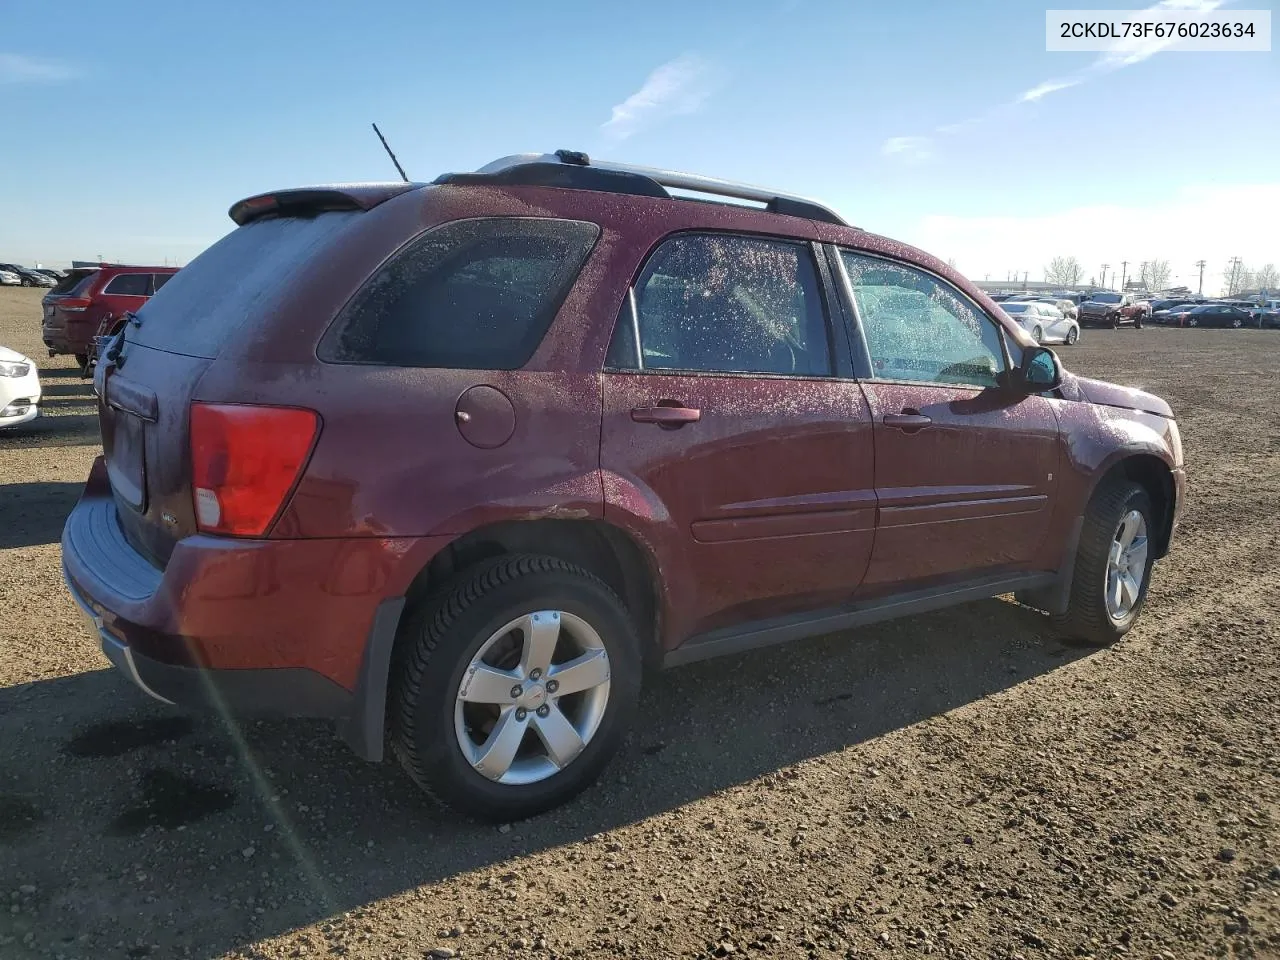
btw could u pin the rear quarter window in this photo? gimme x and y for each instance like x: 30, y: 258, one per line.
x: 472, y: 294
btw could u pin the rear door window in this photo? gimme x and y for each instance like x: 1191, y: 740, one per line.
x: 158, y: 280
x: 472, y: 294
x: 719, y: 303
x: 129, y: 285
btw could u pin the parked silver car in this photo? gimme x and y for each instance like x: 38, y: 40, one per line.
x: 1044, y: 321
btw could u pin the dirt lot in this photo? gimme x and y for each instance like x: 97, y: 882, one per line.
x: 961, y: 784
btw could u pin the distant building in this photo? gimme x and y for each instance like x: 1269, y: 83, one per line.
x: 1029, y: 286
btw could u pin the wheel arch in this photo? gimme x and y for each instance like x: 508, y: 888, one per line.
x: 600, y: 547
x: 1153, y: 474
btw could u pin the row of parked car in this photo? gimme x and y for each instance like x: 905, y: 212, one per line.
x: 1048, y: 312
x: 14, y: 275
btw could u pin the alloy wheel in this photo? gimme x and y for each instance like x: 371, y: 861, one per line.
x: 532, y: 697
x: 1126, y: 565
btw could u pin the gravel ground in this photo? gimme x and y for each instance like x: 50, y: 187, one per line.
x: 961, y: 784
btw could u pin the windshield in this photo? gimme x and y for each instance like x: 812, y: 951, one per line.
x: 1015, y: 307
x: 1106, y: 298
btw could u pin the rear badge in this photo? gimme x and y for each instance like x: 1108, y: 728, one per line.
x: 170, y: 519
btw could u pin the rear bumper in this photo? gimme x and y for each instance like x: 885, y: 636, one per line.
x: 65, y: 335
x: 289, y: 692
x: 300, y: 628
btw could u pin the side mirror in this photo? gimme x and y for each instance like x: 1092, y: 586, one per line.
x: 1040, y: 369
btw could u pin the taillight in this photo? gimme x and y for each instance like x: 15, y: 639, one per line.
x: 244, y: 462
x: 74, y: 304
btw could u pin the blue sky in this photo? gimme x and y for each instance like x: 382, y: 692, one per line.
x: 132, y: 126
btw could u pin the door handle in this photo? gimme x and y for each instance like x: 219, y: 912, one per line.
x: 908, y: 421
x: 666, y: 416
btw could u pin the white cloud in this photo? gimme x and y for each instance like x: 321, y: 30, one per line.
x: 910, y: 149
x: 1130, y: 52
x: 19, y: 68
x: 677, y: 87
x: 1208, y: 222
x: 1046, y: 88
x: 1134, y: 50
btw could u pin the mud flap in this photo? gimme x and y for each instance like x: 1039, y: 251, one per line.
x: 364, y: 729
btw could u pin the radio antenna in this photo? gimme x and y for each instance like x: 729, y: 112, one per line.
x: 386, y: 147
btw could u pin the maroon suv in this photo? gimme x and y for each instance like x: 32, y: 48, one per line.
x: 92, y: 301
x: 451, y: 463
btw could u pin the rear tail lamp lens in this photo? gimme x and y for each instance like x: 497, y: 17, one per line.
x: 245, y: 461
x: 74, y: 304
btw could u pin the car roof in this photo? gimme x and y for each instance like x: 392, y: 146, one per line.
x: 131, y: 268
x: 543, y: 182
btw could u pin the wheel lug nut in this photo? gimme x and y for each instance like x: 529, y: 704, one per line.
x: 517, y: 692
x: 552, y: 686
x: 535, y: 674
x: 544, y: 710
x: 521, y: 713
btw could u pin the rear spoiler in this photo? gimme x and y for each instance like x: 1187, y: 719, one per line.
x: 308, y: 200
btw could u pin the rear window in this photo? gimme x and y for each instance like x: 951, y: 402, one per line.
x: 160, y: 279
x: 239, y: 277
x: 74, y: 283
x: 129, y: 285
x: 471, y: 294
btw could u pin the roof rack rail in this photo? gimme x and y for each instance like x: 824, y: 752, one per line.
x: 573, y: 169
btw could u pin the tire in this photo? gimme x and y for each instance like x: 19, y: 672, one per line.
x: 82, y: 359
x: 435, y: 651
x: 1037, y: 335
x: 1236, y: 323
x: 1115, y: 323
x: 1193, y: 322
x: 1073, y: 336
x: 1089, y: 617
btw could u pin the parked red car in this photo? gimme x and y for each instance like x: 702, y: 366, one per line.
x: 451, y: 463
x: 92, y: 301
x: 1113, y: 309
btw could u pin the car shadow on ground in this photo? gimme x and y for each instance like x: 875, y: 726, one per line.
x: 54, y: 428
x: 232, y: 832
x: 35, y: 512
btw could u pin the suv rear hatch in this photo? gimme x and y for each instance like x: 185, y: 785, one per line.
x: 150, y: 376
x: 74, y: 285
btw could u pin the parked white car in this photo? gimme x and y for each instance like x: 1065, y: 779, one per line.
x: 19, y: 388
x: 8, y: 279
x: 1045, y: 322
